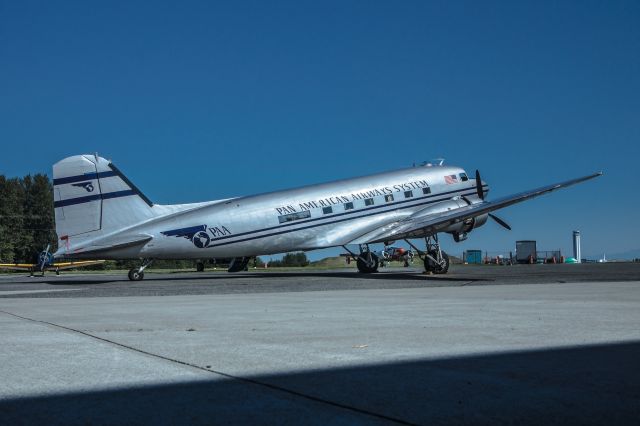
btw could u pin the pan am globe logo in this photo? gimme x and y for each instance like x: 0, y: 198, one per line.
x: 201, y: 236
x: 201, y: 239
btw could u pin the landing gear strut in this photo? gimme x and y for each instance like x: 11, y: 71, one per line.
x: 137, y: 274
x: 435, y: 260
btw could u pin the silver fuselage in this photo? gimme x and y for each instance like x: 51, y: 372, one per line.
x: 250, y: 226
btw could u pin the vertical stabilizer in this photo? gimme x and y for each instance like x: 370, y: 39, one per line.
x: 92, y: 198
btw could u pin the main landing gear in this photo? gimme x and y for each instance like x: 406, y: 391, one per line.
x: 367, y: 261
x: 137, y: 274
x: 435, y: 260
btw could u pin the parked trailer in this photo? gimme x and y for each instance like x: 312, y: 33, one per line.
x: 526, y: 251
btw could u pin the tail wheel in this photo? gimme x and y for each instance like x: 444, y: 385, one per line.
x: 368, y: 267
x: 437, y: 268
x: 136, y: 275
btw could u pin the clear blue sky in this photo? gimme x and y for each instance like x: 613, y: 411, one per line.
x: 204, y: 100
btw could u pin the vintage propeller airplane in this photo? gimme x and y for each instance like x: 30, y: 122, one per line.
x: 100, y: 214
x: 46, y: 263
x: 395, y: 254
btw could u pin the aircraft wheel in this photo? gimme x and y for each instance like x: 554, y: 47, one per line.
x: 431, y: 266
x: 367, y: 269
x: 134, y: 275
x: 199, y: 266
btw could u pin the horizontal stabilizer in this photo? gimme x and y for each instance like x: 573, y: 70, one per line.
x: 124, y: 244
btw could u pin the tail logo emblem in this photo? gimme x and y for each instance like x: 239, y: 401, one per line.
x: 86, y: 185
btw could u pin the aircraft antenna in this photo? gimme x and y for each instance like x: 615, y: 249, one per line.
x: 432, y: 163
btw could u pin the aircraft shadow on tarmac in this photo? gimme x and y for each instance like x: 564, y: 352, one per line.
x: 598, y: 384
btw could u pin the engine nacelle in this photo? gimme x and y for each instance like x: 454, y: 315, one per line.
x: 458, y: 230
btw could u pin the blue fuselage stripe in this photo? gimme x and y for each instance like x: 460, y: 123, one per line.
x: 434, y: 198
x: 356, y: 211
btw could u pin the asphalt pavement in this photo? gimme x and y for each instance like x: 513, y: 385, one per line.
x: 113, y: 284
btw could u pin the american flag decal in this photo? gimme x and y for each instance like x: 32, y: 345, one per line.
x: 450, y: 179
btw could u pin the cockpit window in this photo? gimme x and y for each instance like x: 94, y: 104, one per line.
x: 463, y: 177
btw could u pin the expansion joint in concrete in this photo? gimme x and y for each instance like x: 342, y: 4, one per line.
x: 220, y: 373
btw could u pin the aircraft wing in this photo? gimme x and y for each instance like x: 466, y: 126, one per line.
x: 69, y: 265
x: 17, y: 266
x: 413, y: 226
x: 58, y: 265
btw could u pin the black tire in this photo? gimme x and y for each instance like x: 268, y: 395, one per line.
x: 431, y: 266
x: 199, y: 266
x: 366, y: 269
x: 134, y: 275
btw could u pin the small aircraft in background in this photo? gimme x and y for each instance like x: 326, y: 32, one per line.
x: 395, y: 254
x: 389, y: 254
x: 46, y: 263
x: 100, y: 214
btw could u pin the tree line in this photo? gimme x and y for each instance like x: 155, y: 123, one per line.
x: 26, y: 217
x: 290, y: 259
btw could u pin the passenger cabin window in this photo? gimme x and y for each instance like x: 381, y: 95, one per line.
x: 388, y: 198
x: 426, y: 190
x: 408, y: 194
x: 327, y: 210
x: 463, y: 177
x: 294, y: 216
x: 348, y: 206
x: 368, y: 202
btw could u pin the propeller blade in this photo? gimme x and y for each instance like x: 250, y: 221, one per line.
x: 500, y: 221
x: 479, y: 189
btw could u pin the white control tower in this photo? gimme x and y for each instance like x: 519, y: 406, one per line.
x: 576, y: 246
